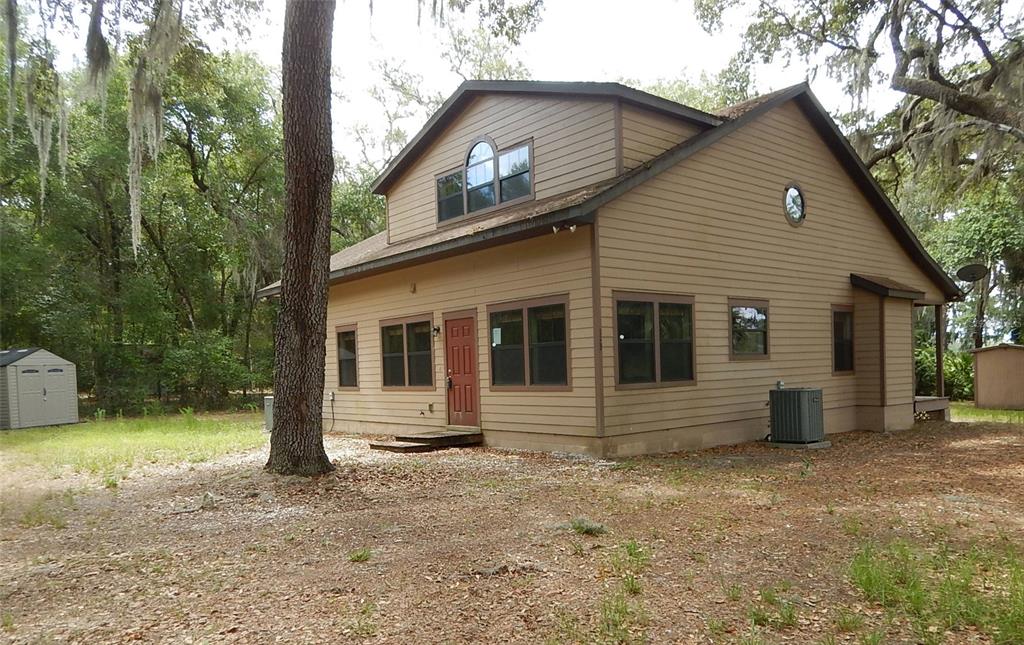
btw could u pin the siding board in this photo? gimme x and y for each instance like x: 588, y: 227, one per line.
x: 547, y: 265
x: 713, y: 227
x: 646, y: 134
x: 573, y: 145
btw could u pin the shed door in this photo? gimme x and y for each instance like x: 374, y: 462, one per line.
x: 55, y: 394
x: 31, y: 405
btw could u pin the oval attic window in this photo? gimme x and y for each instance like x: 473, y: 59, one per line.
x: 793, y: 202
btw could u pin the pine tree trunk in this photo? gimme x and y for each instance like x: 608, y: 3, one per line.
x: 296, y: 441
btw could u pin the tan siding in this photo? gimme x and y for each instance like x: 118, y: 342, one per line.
x: 899, y: 352
x: 999, y: 378
x: 713, y: 228
x: 867, y: 344
x: 573, y: 145
x: 549, y: 265
x: 646, y: 134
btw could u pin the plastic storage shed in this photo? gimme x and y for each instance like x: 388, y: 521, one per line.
x: 37, y: 388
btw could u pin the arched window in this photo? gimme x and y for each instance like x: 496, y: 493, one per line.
x: 488, y: 177
x: 480, y: 173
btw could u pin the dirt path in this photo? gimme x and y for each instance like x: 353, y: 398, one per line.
x: 471, y: 545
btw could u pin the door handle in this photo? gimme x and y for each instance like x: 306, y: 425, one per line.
x: 449, y: 380
x: 44, y: 392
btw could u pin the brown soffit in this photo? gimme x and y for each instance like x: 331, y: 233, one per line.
x: 469, y: 90
x: 885, y: 287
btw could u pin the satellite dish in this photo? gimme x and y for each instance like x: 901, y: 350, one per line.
x: 972, y: 272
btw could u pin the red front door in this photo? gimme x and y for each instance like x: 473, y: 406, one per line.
x: 460, y: 353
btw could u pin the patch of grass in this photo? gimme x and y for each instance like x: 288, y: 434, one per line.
x: 787, y: 614
x: 116, y: 445
x: 360, y: 555
x: 807, y: 468
x: 848, y: 621
x: 733, y: 592
x: 716, y: 627
x: 584, y: 526
x: 42, y: 510
x: 873, y: 638
x: 942, y: 590
x: 963, y: 411
x: 7, y: 622
x: 626, y: 465
x: 759, y: 615
x: 637, y: 555
x: 753, y: 637
x: 619, y: 618
x: 631, y: 584
x: 852, y: 526
x: 365, y: 621
x: 768, y: 595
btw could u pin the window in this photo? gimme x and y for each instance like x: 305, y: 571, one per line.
x: 654, y: 339
x: 449, y: 196
x: 514, y: 173
x: 793, y: 204
x: 488, y: 178
x: 842, y: 338
x: 748, y: 320
x: 529, y: 345
x: 346, y: 337
x: 480, y: 177
x: 406, y: 352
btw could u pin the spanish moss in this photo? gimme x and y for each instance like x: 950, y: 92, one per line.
x: 62, y: 140
x: 41, y: 106
x: 97, y: 54
x: 11, y: 16
x: 145, y: 112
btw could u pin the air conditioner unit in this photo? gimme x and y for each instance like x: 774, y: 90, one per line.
x: 797, y: 415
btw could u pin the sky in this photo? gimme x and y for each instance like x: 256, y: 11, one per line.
x: 577, y: 40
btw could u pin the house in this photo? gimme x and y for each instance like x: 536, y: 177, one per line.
x: 588, y: 268
x: 37, y: 388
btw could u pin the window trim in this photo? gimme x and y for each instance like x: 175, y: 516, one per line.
x: 853, y: 334
x: 653, y: 297
x: 524, y: 305
x: 803, y: 201
x: 437, y: 202
x: 404, y: 321
x: 453, y: 221
x: 750, y: 302
x: 338, y: 329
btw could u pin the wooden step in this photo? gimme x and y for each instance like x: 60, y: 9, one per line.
x: 445, y: 438
x: 401, y: 446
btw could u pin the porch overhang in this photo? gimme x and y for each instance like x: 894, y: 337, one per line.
x: 885, y: 287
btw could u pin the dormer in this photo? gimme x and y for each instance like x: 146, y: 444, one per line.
x: 497, y: 144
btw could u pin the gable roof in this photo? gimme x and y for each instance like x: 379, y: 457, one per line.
x: 15, y: 354
x: 529, y: 219
x: 376, y: 255
x: 469, y: 90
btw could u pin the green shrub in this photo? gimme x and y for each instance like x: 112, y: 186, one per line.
x: 204, y: 369
x: 958, y: 371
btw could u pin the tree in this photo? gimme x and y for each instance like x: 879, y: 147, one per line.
x: 960, y: 64
x: 296, y: 441
x: 710, y: 93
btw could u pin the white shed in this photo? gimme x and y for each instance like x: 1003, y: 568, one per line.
x: 37, y: 388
